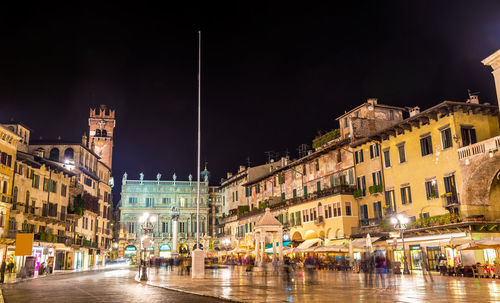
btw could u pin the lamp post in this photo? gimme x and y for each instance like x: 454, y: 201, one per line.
x: 400, y: 222
x: 147, y: 224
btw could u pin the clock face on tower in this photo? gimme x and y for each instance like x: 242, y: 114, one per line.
x: 99, y: 147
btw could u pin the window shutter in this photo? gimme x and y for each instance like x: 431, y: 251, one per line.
x: 430, y: 145
x: 371, y: 151
x: 361, y: 159
x: 403, y: 200
x: 422, y: 147
x: 409, y: 194
x: 356, y: 156
x: 427, y: 191
x: 473, y: 138
x: 374, y: 179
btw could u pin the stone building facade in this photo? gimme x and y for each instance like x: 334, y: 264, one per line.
x: 173, y: 204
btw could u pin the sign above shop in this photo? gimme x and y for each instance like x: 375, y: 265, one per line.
x: 130, y: 248
x: 165, y: 247
x: 394, y: 234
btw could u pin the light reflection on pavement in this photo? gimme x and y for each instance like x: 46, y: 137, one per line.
x: 233, y: 283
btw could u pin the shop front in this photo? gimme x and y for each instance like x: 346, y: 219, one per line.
x: 131, y: 253
x: 165, y: 251
x: 416, y: 256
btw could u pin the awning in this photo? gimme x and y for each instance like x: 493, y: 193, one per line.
x: 485, y: 243
x: 269, y: 250
x: 361, y: 243
x: 307, y: 244
x: 332, y: 248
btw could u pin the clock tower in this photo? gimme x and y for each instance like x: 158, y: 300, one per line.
x: 101, y: 126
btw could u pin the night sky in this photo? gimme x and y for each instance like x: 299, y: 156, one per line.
x: 273, y: 75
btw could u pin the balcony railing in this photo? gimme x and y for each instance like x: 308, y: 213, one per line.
x: 369, y: 222
x: 450, y: 200
x: 479, y: 148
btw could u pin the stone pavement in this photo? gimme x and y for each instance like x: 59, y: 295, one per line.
x: 11, y: 277
x: 234, y: 284
x: 114, y: 285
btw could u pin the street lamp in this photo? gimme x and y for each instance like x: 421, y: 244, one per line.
x: 147, y: 224
x: 400, y: 222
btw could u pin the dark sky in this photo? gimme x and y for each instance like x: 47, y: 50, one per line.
x: 273, y: 75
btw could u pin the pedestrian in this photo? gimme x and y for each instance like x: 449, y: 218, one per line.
x: 380, y: 266
x: 310, y: 266
x: 2, y: 270
x: 275, y: 265
x: 424, y: 263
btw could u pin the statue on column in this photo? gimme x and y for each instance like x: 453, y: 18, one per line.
x: 158, y: 177
x: 141, y: 177
x: 174, y: 177
x: 124, y: 179
x: 190, y: 177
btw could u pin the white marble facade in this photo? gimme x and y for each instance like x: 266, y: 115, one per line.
x: 173, y: 203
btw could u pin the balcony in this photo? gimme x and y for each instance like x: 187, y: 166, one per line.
x: 450, y: 200
x: 375, y: 189
x: 487, y: 146
x: 131, y: 236
x: 320, y: 220
x: 369, y: 222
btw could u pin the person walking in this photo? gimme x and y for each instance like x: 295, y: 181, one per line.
x: 2, y: 271
x: 310, y: 265
x: 424, y: 263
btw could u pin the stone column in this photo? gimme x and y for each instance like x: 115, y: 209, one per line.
x: 175, y: 225
x: 256, y: 249
x: 274, y: 244
x: 280, y: 247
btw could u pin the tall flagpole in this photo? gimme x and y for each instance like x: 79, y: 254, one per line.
x: 199, y: 144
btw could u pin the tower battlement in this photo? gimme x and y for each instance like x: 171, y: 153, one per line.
x: 102, y: 112
x: 101, y: 131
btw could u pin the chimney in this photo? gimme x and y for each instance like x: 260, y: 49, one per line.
x: 414, y: 111
x: 229, y: 175
x: 494, y: 61
x: 372, y: 101
x: 474, y: 99
x: 242, y: 168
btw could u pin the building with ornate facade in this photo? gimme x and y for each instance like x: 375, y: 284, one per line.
x: 173, y: 204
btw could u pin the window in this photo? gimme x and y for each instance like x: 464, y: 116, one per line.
x: 283, y: 196
x: 446, y: 138
x: 54, y: 154
x: 377, y: 178
x: 405, y: 195
x: 68, y: 154
x: 339, y: 156
x: 305, y: 190
x: 339, y: 209
x: 317, y: 164
x: 164, y: 227
x: 377, y: 209
x: 131, y: 227
x: 182, y: 227
x: 391, y: 115
x: 387, y: 159
x: 236, y: 195
x: 363, y: 209
x: 390, y: 199
x: 402, y: 153
x: 36, y: 181
x: 431, y: 189
x: 318, y: 186
x: 87, y: 181
x: 450, y: 186
x: 426, y: 145
x: 374, y: 153
x: 358, y: 155
x: 132, y: 200
x: 351, y: 177
x: 294, y: 193
x: 362, y: 185
x: 468, y: 135
x: 297, y: 218
x: 348, y: 209
x: 63, y: 190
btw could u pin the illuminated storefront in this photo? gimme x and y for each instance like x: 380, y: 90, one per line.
x: 165, y: 251
x: 131, y: 253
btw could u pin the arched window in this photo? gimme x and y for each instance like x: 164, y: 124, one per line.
x: 69, y: 154
x: 27, y: 204
x: 14, y: 194
x: 54, y: 154
x: 98, y: 133
x: 104, y: 133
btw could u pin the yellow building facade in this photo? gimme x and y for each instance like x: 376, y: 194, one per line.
x: 420, y: 161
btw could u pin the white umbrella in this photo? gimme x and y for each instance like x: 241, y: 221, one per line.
x: 369, y: 245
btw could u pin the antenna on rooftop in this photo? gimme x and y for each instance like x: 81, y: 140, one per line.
x: 303, y: 150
